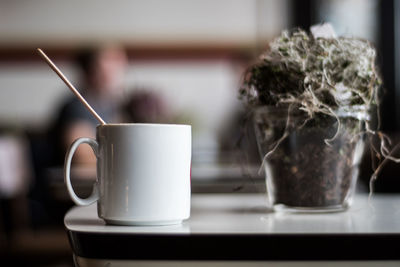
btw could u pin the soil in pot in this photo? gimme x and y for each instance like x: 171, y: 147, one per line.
x: 304, y: 171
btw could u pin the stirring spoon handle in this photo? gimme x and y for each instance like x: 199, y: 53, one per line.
x: 70, y: 86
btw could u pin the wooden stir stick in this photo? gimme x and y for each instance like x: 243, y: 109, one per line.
x: 70, y: 86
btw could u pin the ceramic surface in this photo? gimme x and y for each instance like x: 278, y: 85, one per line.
x: 143, y: 173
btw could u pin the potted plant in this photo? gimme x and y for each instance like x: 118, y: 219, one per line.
x: 312, y: 96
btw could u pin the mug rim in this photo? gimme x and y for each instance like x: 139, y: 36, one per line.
x: 142, y: 124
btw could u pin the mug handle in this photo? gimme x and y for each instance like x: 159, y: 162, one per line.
x: 67, y: 170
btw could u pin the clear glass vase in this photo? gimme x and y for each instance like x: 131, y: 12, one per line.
x: 304, y: 170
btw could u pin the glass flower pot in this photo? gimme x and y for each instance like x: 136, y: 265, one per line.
x: 304, y: 170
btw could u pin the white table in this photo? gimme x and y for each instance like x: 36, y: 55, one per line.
x: 239, y: 227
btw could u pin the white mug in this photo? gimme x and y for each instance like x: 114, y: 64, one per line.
x: 143, y: 173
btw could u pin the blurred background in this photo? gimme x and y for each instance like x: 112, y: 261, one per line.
x: 183, y: 64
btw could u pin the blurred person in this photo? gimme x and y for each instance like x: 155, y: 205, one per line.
x: 145, y: 107
x: 102, y: 86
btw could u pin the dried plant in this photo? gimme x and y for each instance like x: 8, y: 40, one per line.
x: 319, y: 77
